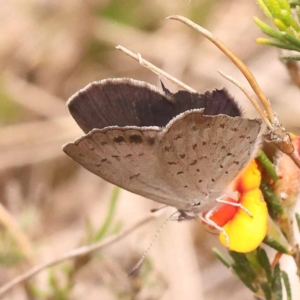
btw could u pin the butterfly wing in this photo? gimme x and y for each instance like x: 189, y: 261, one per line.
x: 128, y: 102
x: 179, y: 165
x: 200, y: 155
x: 126, y: 157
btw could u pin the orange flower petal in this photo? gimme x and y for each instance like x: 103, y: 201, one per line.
x: 224, y: 213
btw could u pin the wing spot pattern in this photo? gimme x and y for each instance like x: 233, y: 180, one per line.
x: 134, y: 176
x: 136, y: 139
x: 150, y: 141
x: 102, y: 161
x: 179, y: 173
x: 182, y: 156
x: 119, y: 139
x: 195, y: 146
x: 193, y: 162
x: 178, y: 136
x: 117, y: 157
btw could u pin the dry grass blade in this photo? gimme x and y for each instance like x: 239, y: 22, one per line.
x: 12, y: 227
x: 155, y: 69
x: 82, y: 251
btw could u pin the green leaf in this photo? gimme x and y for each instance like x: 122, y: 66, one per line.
x: 265, y: 263
x: 253, y: 260
x: 273, y: 7
x: 267, y: 164
x: 265, y: 9
x: 298, y: 220
x: 222, y: 258
x: 276, y: 284
x: 267, y: 290
x: 280, y: 25
x: 295, y: 42
x: 109, y: 217
x: 277, y: 9
x: 290, y: 57
x: 294, y: 3
x: 287, y: 285
x: 284, y: 4
x: 243, y: 270
x: 289, y: 19
x: 243, y: 277
x: 276, y: 239
x: 241, y: 260
x: 298, y: 12
x: 269, y: 30
x: 275, y: 245
x: 274, y: 206
x: 268, y: 42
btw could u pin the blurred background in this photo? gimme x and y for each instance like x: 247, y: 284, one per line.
x: 48, y: 50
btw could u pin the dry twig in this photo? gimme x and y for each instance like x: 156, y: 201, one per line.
x: 82, y: 251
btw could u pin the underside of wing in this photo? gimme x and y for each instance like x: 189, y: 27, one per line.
x: 126, y: 157
x: 201, y: 154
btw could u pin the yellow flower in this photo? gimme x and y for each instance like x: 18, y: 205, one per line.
x: 246, y: 232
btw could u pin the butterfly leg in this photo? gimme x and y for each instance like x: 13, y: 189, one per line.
x: 210, y: 222
x: 237, y: 204
x: 183, y: 216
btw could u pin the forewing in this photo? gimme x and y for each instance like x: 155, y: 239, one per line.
x: 120, y: 102
x: 127, y: 102
x: 126, y: 157
x: 202, y: 154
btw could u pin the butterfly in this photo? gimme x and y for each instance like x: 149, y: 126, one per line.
x: 180, y: 149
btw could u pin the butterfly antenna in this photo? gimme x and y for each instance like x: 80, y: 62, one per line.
x: 138, y: 264
x: 278, y: 132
